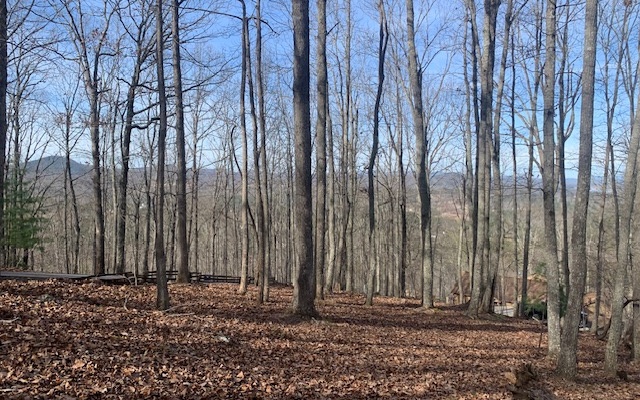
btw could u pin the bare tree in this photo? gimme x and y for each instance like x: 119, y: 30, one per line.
x: 421, y: 168
x: 3, y: 114
x: 533, y: 83
x: 402, y: 198
x: 321, y: 152
x: 345, y: 97
x: 567, y: 361
x: 548, y: 184
x: 68, y: 143
x: 304, y: 289
x: 481, y: 272
x: 614, y: 55
x: 567, y: 93
x: 373, y: 253
x: 332, y: 228
x: 91, y: 44
x: 470, y: 198
x: 143, y: 42
x: 498, y: 224
x: 514, y: 161
x: 181, y: 178
x: 162, y: 299
x: 260, y: 164
x: 624, y: 246
x: 245, y: 152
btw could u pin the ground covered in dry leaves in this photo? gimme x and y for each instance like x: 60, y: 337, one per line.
x: 70, y: 340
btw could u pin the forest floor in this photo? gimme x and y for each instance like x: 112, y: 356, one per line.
x: 70, y: 340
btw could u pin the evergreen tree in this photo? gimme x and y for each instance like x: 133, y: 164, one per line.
x: 23, y: 221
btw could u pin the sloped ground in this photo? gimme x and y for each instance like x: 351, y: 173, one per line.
x: 66, y: 340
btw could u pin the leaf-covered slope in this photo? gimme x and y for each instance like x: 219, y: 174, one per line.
x: 63, y: 340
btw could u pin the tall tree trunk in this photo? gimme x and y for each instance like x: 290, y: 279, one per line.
x: 244, y: 264
x: 170, y: 242
x: 113, y: 114
x: 304, y: 289
x: 402, y: 207
x: 260, y: 228
x: 373, y: 254
x: 624, y: 248
x: 181, y: 179
x: 193, y: 241
x: 149, y: 207
x: 482, y: 270
x: 533, y: 141
x: 162, y: 295
x: 562, y: 136
x: 600, y: 257
x: 346, y: 272
x: 516, y: 250
x: 321, y: 152
x: 136, y: 238
x: 98, y: 213
x: 70, y: 192
x: 527, y: 226
x: 67, y: 258
x: 89, y: 59
x: 332, y: 228
x: 461, y: 232
x: 142, y: 53
x: 261, y: 181
x: 611, y: 93
x: 415, y: 79
x: 497, y: 199
x: 548, y: 185
x: 401, y: 192
x: 470, y: 195
x: 90, y: 70
x: 567, y: 361
x: 3, y: 116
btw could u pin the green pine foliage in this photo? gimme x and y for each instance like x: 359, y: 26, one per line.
x: 23, y: 222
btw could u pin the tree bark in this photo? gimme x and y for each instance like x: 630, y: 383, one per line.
x: 567, y: 361
x: 373, y: 253
x: 611, y: 93
x: 348, y: 209
x: 516, y: 241
x: 470, y: 196
x: 143, y: 51
x: 527, y: 227
x: 244, y: 264
x: 482, y: 269
x: 162, y: 295
x: 3, y: 116
x: 321, y: 152
x: 182, y: 248
x: 415, y: 79
x: 332, y: 228
x: 263, y: 194
x: 624, y: 248
x: 304, y: 290
x: 548, y: 185
x: 260, y: 260
x: 497, y: 234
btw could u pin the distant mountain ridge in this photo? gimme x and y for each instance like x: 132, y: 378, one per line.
x: 55, y: 165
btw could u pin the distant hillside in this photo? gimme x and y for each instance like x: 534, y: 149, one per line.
x: 55, y: 165
x: 51, y: 168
